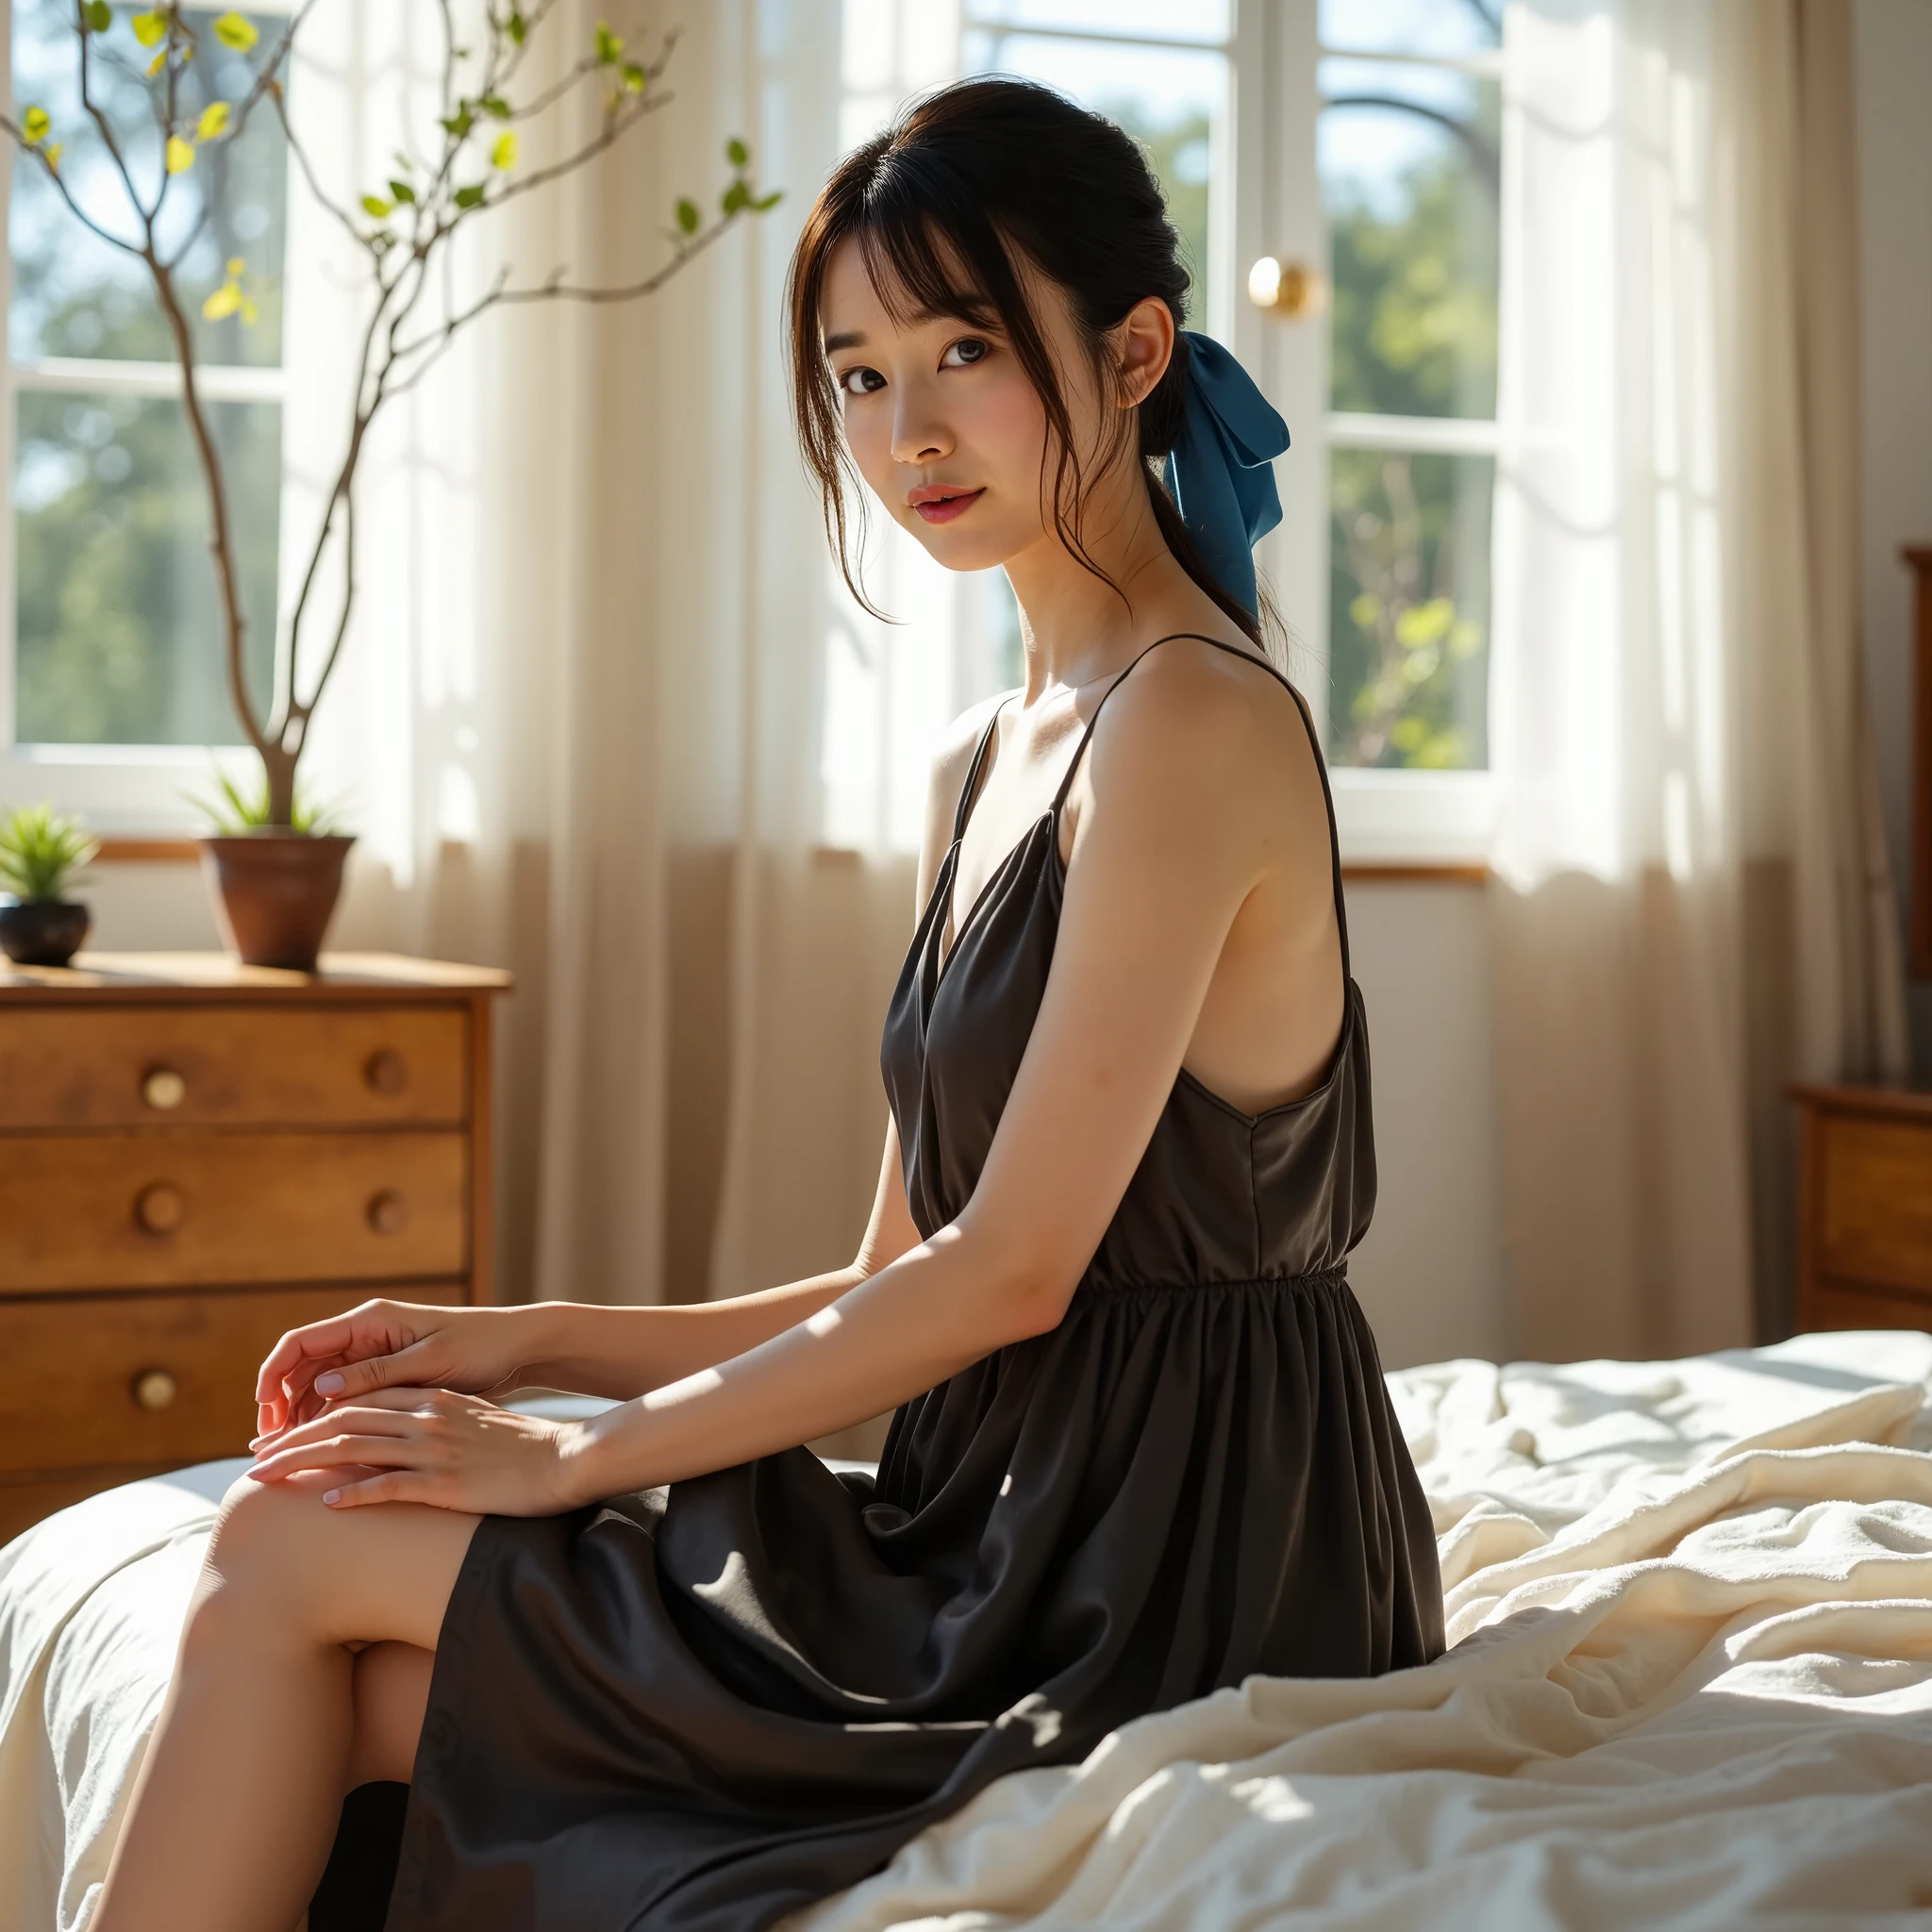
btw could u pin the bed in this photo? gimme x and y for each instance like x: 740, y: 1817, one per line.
x: 1690, y: 1685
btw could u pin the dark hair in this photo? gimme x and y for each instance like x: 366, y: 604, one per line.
x: 957, y: 182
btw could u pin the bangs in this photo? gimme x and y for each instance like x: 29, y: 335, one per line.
x: 922, y: 261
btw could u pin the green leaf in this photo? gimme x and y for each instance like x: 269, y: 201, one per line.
x: 41, y: 851
x: 609, y: 45
x: 180, y: 154
x: 224, y: 302
x: 496, y: 105
x: 155, y: 66
x: 98, y: 15
x: 737, y: 152
x: 688, y: 217
x: 735, y: 197
x: 35, y: 125
x: 768, y: 201
x: 503, y: 154
x: 51, y: 154
x: 213, y: 122
x: 459, y: 125
x: 471, y: 197
x: 148, y: 27
x: 634, y: 78
x: 518, y: 27
x: 236, y: 31
x: 375, y: 207
x: 402, y: 193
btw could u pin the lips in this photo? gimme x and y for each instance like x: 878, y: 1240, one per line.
x: 940, y: 503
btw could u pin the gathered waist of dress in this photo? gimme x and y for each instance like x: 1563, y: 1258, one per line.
x: 1320, y: 1279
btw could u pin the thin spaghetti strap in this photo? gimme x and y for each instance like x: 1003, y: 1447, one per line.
x: 971, y: 788
x: 1314, y: 741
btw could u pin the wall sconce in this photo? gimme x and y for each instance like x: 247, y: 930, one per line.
x: 1287, y: 289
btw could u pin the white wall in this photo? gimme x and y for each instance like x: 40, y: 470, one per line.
x: 1894, y: 72
x: 1429, y: 1274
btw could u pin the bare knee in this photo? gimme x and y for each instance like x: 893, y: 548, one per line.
x: 256, y: 1581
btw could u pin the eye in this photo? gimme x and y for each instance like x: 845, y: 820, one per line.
x: 965, y: 352
x: 862, y: 381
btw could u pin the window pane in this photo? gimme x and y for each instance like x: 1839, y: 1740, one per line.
x: 1409, y: 608
x: 119, y: 640
x: 1410, y: 177
x: 1413, y: 27
x: 1173, y: 20
x: 1172, y: 102
x: 75, y: 295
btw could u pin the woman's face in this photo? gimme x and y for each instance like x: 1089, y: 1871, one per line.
x: 942, y: 424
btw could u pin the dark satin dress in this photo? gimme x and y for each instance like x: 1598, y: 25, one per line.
x: 701, y: 1707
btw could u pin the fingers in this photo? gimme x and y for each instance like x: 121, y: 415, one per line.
x: 330, y: 1338
x: 377, y: 1449
x: 382, y: 1409
x: 391, y: 1486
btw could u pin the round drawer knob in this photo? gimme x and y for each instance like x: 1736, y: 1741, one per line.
x: 160, y: 1208
x: 155, y: 1389
x: 163, y: 1089
x: 387, y: 1073
x: 388, y: 1213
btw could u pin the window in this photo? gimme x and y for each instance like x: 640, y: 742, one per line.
x: 1410, y: 167
x: 113, y: 666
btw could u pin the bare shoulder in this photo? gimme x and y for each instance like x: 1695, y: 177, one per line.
x: 1191, y: 716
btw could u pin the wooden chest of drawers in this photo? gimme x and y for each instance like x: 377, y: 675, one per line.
x: 1865, y: 1209
x: 197, y: 1155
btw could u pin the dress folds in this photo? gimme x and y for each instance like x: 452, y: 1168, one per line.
x: 698, y: 1708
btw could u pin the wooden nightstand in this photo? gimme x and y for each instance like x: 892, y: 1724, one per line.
x: 1865, y: 1207
x: 196, y: 1155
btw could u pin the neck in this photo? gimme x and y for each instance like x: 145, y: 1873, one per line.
x: 1074, y: 625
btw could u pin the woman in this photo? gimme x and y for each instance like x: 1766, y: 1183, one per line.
x: 1143, y: 1448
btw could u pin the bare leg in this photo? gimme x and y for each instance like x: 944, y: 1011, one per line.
x: 236, y: 1804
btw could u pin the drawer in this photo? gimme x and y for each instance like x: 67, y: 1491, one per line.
x: 201, y: 1208
x: 154, y: 1379
x: 1874, y: 1193
x: 233, y: 1066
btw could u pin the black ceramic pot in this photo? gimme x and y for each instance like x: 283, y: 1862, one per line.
x: 42, y: 932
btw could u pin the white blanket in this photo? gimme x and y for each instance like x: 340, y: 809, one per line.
x: 1690, y: 1606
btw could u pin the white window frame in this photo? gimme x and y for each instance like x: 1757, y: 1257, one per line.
x: 1384, y: 817
x: 120, y: 789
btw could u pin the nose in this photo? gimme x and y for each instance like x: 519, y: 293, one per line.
x: 918, y: 435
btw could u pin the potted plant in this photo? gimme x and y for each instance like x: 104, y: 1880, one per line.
x: 40, y: 853
x: 266, y: 860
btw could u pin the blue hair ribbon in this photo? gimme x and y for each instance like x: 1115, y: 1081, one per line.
x: 1220, y: 472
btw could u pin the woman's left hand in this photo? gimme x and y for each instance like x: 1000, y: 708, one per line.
x: 431, y: 1445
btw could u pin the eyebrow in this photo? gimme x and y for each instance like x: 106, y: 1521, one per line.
x: 855, y: 339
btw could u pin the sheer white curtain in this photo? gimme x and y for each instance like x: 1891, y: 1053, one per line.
x: 1692, y: 901
x: 577, y: 720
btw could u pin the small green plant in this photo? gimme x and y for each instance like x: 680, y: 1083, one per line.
x: 41, y: 852
x: 237, y: 812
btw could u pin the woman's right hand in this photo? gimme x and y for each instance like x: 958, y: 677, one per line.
x: 386, y: 1344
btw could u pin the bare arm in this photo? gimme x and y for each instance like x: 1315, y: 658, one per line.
x: 590, y: 1348
x: 1183, y: 819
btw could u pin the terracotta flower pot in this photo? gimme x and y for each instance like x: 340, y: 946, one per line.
x: 275, y: 891
x: 42, y: 932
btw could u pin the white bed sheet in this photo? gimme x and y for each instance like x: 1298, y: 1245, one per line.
x: 1691, y: 1686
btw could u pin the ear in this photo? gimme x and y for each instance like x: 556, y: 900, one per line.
x: 1143, y: 341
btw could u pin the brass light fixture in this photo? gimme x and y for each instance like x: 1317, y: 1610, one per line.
x: 1287, y: 289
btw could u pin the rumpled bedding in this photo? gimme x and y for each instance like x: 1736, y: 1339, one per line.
x: 1689, y: 1685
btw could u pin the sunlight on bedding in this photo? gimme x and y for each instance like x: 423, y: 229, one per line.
x: 1690, y: 1606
